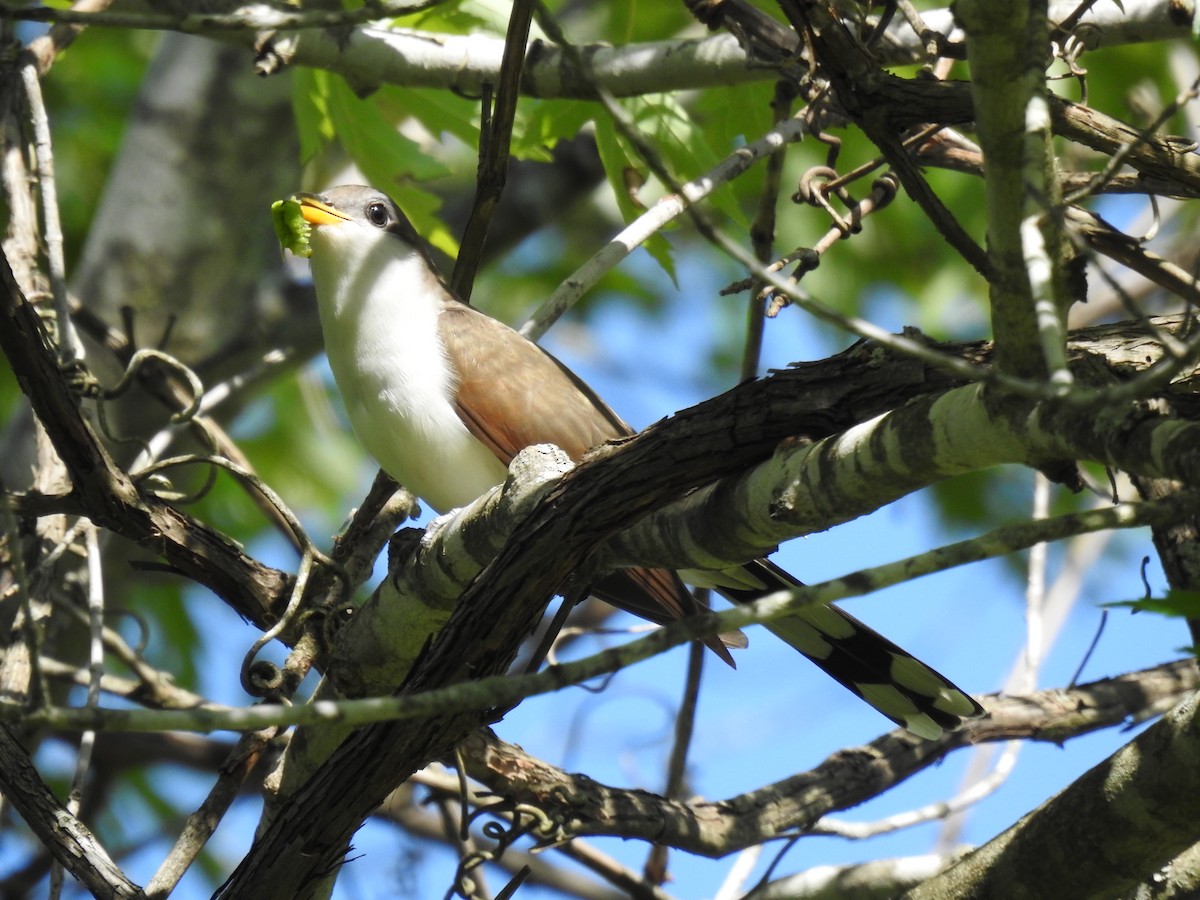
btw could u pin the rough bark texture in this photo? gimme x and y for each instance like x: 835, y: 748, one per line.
x: 68, y: 839
x: 1129, y: 815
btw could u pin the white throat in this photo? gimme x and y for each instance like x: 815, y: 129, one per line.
x: 379, y: 304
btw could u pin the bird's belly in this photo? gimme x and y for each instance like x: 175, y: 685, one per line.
x: 398, y: 393
x: 428, y: 450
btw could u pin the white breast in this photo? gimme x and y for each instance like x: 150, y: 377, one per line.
x: 379, y: 306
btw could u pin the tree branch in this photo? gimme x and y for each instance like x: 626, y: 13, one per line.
x: 369, y: 56
x: 1127, y: 816
x: 67, y: 838
x: 580, y: 806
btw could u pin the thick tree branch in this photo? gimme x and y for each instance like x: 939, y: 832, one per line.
x: 1127, y: 816
x: 808, y: 484
x: 517, y: 598
x: 780, y: 458
x: 806, y: 488
x: 1004, y: 46
x: 369, y: 56
x: 427, y: 573
x: 509, y: 596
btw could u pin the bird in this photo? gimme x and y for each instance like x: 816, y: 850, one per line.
x: 443, y: 397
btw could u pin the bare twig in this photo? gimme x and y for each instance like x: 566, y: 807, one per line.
x: 655, y: 868
x: 203, y: 822
x: 87, y: 740
x: 762, y: 234
x: 494, y: 149
x: 654, y: 219
x: 69, y: 347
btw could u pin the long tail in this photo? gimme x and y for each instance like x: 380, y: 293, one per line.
x: 887, y: 677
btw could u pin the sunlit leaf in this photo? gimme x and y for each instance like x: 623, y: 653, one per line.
x: 622, y: 171
x: 1177, y: 604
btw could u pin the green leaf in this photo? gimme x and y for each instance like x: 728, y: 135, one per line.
x: 462, y: 17
x: 731, y: 115
x: 373, y: 141
x: 310, y: 103
x: 637, y: 20
x: 685, y: 146
x: 540, y: 124
x: 290, y: 226
x: 1177, y: 604
x: 439, y: 111
x: 619, y: 165
x: 422, y: 207
x: 387, y: 159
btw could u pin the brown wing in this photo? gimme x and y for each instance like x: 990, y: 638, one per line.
x: 513, y: 394
x: 658, y: 595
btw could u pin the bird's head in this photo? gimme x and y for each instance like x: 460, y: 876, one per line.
x: 354, y: 213
x: 353, y: 229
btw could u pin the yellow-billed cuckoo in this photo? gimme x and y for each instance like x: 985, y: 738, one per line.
x: 444, y: 397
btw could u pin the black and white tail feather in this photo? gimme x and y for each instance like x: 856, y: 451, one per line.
x: 886, y: 676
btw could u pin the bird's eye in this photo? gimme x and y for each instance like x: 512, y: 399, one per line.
x: 377, y: 214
